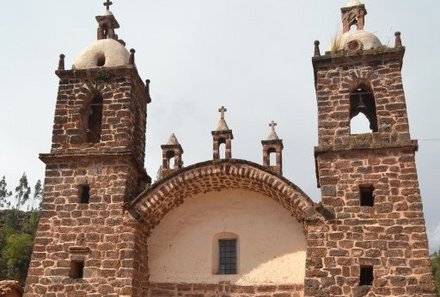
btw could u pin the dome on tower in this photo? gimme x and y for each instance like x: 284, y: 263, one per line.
x: 356, y: 40
x: 352, y: 3
x: 103, y: 53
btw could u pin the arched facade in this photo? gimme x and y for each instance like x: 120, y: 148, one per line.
x: 219, y: 211
x: 154, y: 203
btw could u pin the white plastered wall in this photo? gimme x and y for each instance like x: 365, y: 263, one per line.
x: 272, y: 247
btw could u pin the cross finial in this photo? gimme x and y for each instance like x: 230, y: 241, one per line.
x: 273, y: 125
x: 107, y: 4
x: 222, y: 110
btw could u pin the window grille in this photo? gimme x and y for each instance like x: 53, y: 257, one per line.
x: 227, y: 256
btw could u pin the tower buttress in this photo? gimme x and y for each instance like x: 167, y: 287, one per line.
x: 95, y: 167
x: 368, y: 178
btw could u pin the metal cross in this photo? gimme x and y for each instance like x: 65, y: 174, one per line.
x: 273, y: 125
x: 107, y: 4
x: 222, y: 110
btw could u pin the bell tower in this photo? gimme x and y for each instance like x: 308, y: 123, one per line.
x: 86, y: 240
x: 375, y: 243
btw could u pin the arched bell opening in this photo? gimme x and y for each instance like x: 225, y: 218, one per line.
x: 363, y: 116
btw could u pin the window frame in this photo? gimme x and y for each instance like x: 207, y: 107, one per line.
x: 227, y: 253
x: 216, y: 253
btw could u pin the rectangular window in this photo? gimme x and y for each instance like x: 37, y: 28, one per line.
x: 227, y: 256
x: 366, y: 278
x: 84, y: 194
x: 76, y: 269
x: 367, y: 197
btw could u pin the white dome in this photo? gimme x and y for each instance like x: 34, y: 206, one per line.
x: 366, y: 39
x: 352, y: 3
x: 102, y: 53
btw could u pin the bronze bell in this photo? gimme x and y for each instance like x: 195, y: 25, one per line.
x: 360, y: 106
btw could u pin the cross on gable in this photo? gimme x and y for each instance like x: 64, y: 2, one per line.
x: 222, y: 110
x: 107, y: 4
x: 273, y: 125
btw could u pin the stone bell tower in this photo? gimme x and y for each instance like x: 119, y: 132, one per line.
x: 86, y: 240
x: 375, y: 244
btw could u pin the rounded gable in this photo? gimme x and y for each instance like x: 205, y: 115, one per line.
x: 155, y: 202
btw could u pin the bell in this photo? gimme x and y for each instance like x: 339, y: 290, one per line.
x: 360, y: 106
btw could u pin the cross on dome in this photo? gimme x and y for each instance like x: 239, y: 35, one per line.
x: 107, y: 4
x: 273, y: 125
x: 273, y: 134
x: 222, y: 110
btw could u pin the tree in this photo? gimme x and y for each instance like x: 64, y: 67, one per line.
x: 4, y: 194
x: 38, y: 195
x: 22, y: 192
x: 16, y: 256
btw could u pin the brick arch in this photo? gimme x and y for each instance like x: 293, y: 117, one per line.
x: 93, y: 87
x: 156, y: 201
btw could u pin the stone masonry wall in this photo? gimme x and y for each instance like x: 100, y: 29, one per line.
x: 334, y: 84
x: 390, y: 236
x: 101, y: 233
x: 124, y: 111
x: 224, y: 289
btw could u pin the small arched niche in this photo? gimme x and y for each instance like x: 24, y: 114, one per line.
x: 222, y: 148
x: 171, y: 159
x: 363, y: 116
x: 92, y: 119
x: 272, y: 156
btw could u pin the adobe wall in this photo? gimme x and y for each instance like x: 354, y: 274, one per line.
x: 101, y: 233
x: 182, y: 248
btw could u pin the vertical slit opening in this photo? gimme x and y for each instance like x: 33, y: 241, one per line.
x: 367, y: 195
x: 76, y: 269
x: 84, y: 194
x: 366, y: 278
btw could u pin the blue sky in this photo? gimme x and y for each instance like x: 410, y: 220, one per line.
x: 253, y: 56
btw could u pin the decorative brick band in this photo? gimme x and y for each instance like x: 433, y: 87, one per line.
x: 153, y: 204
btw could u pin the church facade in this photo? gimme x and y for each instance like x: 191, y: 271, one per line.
x: 230, y: 227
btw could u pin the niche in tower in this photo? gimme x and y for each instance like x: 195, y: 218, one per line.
x: 93, y: 119
x: 363, y: 118
x: 272, y: 156
x: 171, y: 159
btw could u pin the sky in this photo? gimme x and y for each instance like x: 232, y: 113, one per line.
x: 252, y: 56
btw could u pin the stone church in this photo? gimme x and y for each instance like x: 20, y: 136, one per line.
x: 230, y: 227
